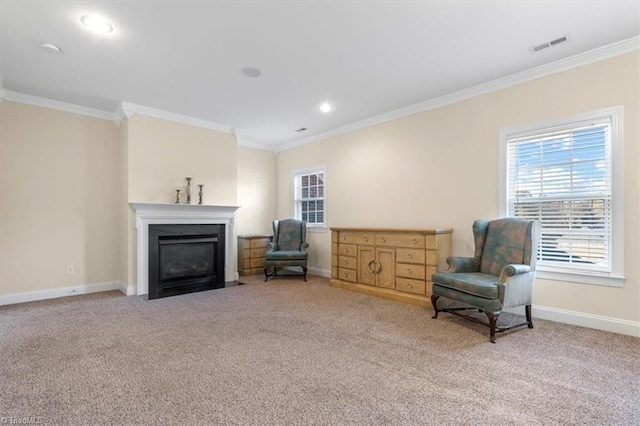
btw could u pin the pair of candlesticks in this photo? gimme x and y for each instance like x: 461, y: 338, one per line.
x: 188, y: 191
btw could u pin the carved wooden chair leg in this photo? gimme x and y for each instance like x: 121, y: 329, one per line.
x: 434, y: 298
x: 493, y: 319
x: 304, y: 270
x: 266, y: 274
x: 527, y: 310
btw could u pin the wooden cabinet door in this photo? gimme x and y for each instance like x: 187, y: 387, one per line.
x: 382, y: 261
x: 366, y: 255
x: 386, y: 276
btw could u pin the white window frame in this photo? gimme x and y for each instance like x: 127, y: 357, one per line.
x: 615, y: 276
x: 296, y: 194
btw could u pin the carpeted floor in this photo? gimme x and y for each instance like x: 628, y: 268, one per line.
x: 288, y: 352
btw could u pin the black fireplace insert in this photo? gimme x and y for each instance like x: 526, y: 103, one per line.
x: 185, y: 258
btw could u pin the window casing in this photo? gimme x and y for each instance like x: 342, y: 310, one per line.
x: 567, y: 174
x: 309, y: 196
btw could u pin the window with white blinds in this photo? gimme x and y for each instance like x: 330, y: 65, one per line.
x: 308, y: 197
x: 563, y: 176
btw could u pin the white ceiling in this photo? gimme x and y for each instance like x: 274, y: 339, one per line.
x: 365, y: 57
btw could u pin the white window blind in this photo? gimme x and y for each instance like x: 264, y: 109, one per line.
x: 563, y: 178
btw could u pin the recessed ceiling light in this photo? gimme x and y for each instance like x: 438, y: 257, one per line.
x: 96, y: 24
x: 251, y: 72
x: 326, y: 107
x: 51, y: 48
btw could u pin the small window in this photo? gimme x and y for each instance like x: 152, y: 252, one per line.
x: 565, y: 175
x: 309, y: 196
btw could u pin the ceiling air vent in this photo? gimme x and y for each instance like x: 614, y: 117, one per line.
x: 558, y: 41
x: 550, y: 43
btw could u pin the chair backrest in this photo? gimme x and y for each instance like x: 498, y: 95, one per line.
x: 289, y: 234
x: 506, y: 241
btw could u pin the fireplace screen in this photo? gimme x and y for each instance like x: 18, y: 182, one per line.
x: 185, y: 258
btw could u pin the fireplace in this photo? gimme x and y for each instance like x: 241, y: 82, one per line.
x: 185, y: 258
x: 148, y: 215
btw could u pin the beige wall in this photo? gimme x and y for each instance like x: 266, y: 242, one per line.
x: 256, y: 190
x: 59, y: 199
x: 440, y: 169
x: 67, y: 180
x: 126, y: 232
x: 162, y: 153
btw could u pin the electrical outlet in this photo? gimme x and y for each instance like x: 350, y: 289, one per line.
x: 70, y: 270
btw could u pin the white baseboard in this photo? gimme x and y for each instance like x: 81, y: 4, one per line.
x: 614, y: 325
x: 311, y: 270
x: 127, y: 290
x: 321, y: 272
x: 52, y: 293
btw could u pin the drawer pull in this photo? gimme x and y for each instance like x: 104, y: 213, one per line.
x: 415, y: 241
x: 384, y: 240
x: 375, y: 267
x: 409, y: 285
x: 410, y: 255
x: 346, y: 250
x: 366, y: 238
x: 410, y: 271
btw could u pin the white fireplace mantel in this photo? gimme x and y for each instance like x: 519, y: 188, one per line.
x: 168, y: 214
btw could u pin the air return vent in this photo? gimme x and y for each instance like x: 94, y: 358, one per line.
x: 540, y: 47
x: 550, y: 43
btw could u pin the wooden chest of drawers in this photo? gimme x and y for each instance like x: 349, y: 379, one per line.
x: 251, y: 250
x: 392, y: 263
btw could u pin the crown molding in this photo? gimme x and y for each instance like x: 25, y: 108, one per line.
x: 606, y: 52
x: 256, y: 145
x: 125, y: 109
x: 60, y: 106
x: 129, y: 110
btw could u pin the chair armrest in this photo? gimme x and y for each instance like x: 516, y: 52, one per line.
x: 463, y: 264
x: 513, y: 269
x: 515, y: 285
x: 304, y: 247
x: 274, y: 247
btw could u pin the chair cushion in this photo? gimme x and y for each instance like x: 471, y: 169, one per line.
x: 492, y: 305
x: 286, y: 255
x: 473, y: 283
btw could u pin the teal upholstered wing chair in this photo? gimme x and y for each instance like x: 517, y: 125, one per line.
x: 499, y: 276
x: 289, y: 247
